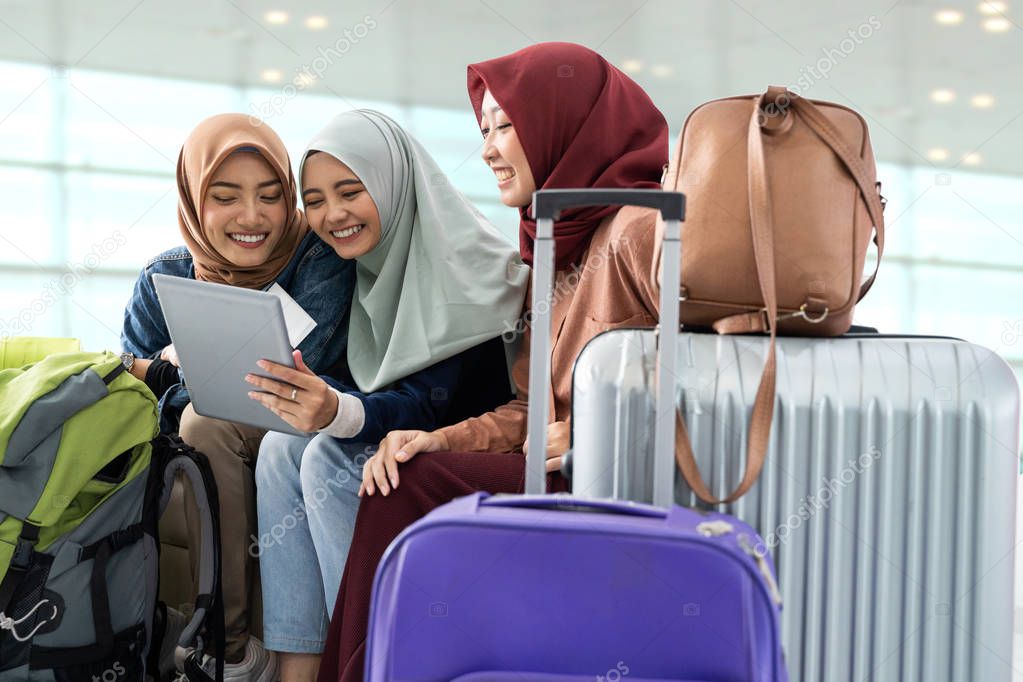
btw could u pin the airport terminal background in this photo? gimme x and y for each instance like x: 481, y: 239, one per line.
x: 96, y: 98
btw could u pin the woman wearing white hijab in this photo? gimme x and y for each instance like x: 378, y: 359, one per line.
x: 436, y: 286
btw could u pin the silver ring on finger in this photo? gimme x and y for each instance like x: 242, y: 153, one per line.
x: 294, y: 392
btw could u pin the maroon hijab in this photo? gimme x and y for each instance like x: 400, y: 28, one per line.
x: 582, y: 123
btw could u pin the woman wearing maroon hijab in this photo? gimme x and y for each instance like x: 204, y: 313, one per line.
x: 554, y: 115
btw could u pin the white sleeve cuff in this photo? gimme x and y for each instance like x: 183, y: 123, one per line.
x: 350, y: 417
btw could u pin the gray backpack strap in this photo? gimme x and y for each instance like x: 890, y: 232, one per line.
x: 208, y: 547
x: 209, y: 607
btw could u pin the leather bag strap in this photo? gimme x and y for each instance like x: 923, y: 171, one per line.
x: 763, y: 404
x: 826, y: 131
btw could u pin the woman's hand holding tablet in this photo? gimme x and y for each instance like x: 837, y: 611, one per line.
x: 300, y: 398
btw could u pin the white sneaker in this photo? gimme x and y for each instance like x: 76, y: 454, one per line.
x: 258, y: 665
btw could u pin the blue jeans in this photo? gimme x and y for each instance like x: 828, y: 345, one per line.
x: 307, y: 497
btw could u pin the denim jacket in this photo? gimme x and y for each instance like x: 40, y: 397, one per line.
x: 318, y: 280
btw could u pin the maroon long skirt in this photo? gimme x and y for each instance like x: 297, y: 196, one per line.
x: 426, y: 482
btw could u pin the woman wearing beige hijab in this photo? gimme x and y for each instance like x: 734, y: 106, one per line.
x: 241, y: 226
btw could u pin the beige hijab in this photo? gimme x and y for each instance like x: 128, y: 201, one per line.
x: 207, y: 146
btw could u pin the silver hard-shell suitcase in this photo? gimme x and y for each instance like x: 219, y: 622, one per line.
x: 887, y: 499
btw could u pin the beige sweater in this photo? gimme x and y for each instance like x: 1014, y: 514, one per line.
x: 614, y: 286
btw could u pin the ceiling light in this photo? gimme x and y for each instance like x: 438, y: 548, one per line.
x: 948, y: 17
x: 992, y: 7
x: 662, y: 70
x: 632, y: 66
x: 276, y: 17
x: 997, y: 25
x: 937, y: 154
x: 271, y: 75
x: 316, y: 23
x: 972, y: 159
x: 943, y: 96
x: 982, y: 101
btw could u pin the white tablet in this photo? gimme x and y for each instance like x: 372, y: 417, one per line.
x: 220, y: 332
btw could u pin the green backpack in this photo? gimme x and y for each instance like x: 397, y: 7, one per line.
x: 84, y: 479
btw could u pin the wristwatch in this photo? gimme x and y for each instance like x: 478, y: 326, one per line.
x: 128, y: 360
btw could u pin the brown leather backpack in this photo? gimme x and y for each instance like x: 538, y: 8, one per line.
x: 781, y: 201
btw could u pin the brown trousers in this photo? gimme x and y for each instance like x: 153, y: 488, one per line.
x: 231, y: 449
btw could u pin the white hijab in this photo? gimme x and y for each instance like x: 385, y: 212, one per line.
x: 442, y: 279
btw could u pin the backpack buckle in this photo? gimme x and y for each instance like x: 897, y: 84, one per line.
x: 22, y: 556
x: 806, y: 315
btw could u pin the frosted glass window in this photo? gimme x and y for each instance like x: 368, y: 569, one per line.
x: 298, y: 115
x: 886, y: 306
x: 984, y: 307
x: 28, y: 201
x: 136, y: 122
x: 120, y: 221
x: 26, y: 111
x: 96, y: 311
x: 897, y: 187
x: 31, y: 304
x: 968, y: 216
x: 453, y: 138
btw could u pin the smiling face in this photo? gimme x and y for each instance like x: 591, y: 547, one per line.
x: 503, y: 152
x: 338, y: 207
x: 243, y: 211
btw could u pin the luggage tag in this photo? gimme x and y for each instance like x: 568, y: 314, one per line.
x: 296, y: 319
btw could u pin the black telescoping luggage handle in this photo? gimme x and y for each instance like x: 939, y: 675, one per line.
x: 549, y: 203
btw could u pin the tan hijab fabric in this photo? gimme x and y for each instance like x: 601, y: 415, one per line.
x: 207, y: 146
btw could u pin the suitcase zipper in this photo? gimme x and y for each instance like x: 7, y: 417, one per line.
x: 713, y: 529
x: 765, y: 570
x: 719, y: 527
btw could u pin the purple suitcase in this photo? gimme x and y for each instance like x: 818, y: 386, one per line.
x: 560, y: 588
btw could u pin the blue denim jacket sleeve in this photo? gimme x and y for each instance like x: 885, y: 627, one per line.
x: 322, y: 283
x: 144, y: 332
x: 418, y: 401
